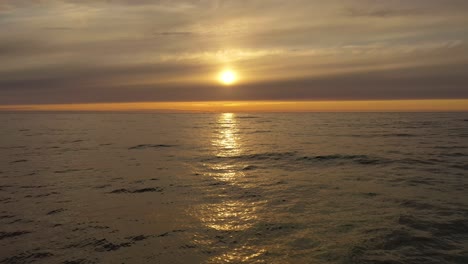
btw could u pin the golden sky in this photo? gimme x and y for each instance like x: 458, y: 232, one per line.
x: 259, y: 106
x: 297, y: 55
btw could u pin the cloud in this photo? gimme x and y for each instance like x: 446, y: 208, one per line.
x: 383, y: 13
x: 78, y: 51
x: 422, y: 82
x: 58, y: 28
x: 174, y: 33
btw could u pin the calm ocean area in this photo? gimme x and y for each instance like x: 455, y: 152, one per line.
x: 234, y: 188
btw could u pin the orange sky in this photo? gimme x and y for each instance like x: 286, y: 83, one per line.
x: 257, y: 106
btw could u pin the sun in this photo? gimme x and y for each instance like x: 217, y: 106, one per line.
x: 227, y: 77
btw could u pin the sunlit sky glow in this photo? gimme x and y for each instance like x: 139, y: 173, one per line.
x: 257, y: 106
x: 172, y: 52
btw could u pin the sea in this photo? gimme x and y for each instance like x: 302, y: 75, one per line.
x: 234, y: 188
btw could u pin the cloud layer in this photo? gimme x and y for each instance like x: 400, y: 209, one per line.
x: 62, y: 51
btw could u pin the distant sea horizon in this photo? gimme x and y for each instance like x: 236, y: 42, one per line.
x: 409, y: 105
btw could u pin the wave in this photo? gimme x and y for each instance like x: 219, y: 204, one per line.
x: 259, y: 132
x: 19, y: 161
x: 416, y: 161
x: 463, y: 167
x: 247, y: 117
x: 430, y: 241
x: 153, y: 189
x: 28, y: 256
x: 249, y: 167
x: 295, y: 157
x: 383, y: 135
x: 14, y: 147
x: 438, y: 228
x: 399, y: 135
x: 145, y: 146
x: 450, y: 147
x: 13, y: 234
x: 363, y: 159
x: 261, y: 156
x: 456, y: 154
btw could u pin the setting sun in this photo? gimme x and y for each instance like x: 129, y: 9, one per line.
x: 227, y: 77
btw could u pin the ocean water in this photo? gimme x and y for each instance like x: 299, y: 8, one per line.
x: 234, y: 188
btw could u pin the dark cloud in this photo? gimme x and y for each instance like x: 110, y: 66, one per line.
x: 435, y: 82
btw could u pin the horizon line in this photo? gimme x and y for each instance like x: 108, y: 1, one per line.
x: 423, y: 105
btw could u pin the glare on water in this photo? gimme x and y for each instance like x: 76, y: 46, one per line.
x: 225, y: 140
x: 228, y: 213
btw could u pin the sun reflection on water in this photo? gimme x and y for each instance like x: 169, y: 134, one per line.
x: 243, y: 254
x: 229, y: 215
x: 229, y: 212
x: 226, y: 142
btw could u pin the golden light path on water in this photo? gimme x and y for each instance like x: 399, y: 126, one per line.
x: 230, y: 212
x: 226, y: 141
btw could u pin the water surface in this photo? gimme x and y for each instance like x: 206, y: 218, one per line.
x: 234, y: 188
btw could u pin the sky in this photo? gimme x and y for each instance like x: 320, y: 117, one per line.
x: 408, y: 54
